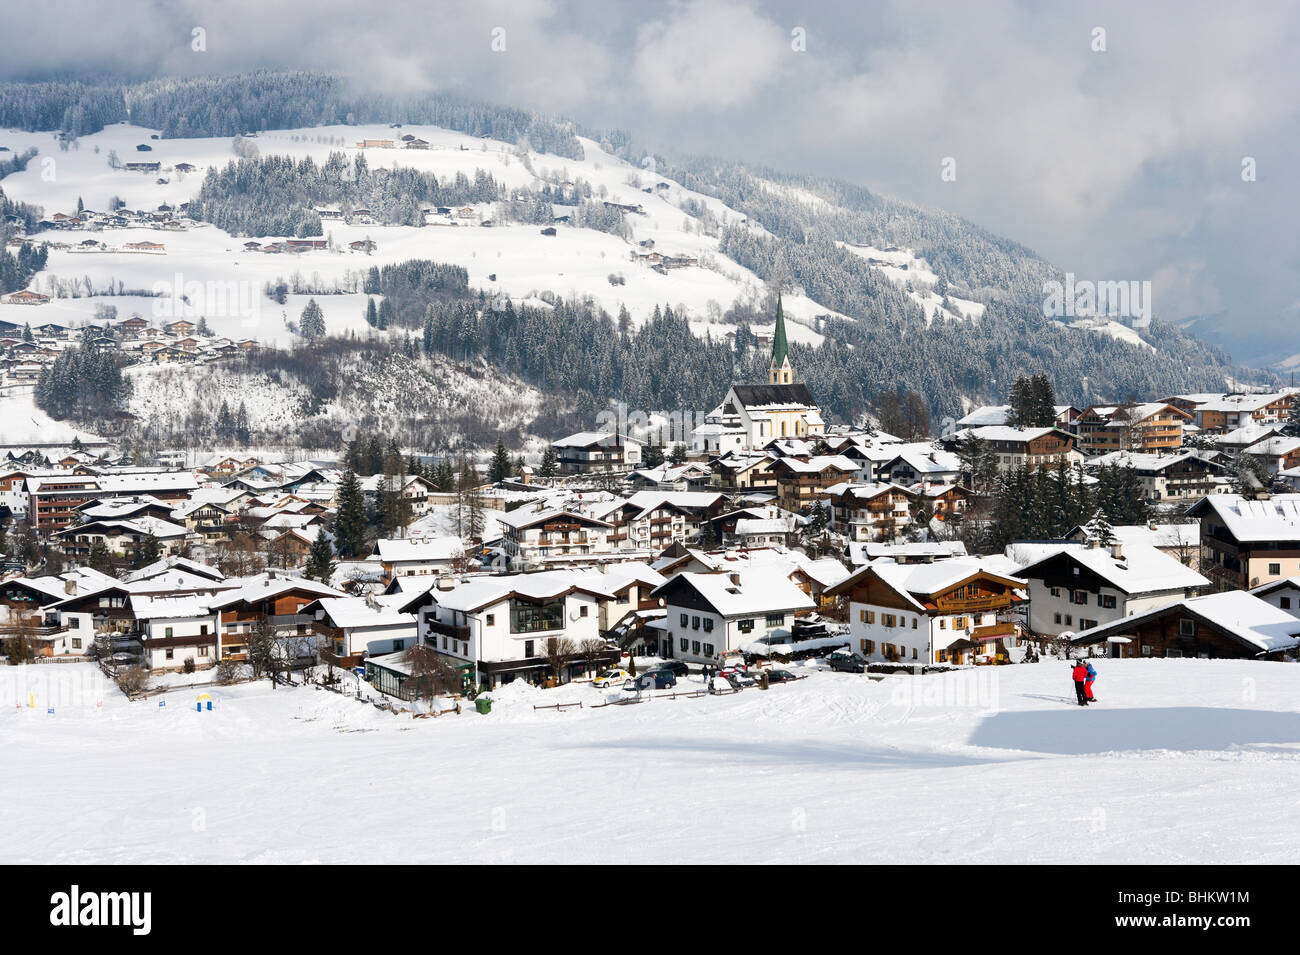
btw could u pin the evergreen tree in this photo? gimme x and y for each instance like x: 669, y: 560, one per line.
x: 320, y: 559
x: 550, y: 465
x: 312, y: 322
x: 350, y: 525
x: 499, y: 469
x: 150, y: 550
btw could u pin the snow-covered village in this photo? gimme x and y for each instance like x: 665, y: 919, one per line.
x: 405, y: 474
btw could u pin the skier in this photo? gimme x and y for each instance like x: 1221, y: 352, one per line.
x: 1092, y: 675
x: 1080, y: 676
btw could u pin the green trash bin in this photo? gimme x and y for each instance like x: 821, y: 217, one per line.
x: 483, y: 705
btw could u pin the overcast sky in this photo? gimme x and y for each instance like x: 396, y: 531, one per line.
x: 1122, y: 163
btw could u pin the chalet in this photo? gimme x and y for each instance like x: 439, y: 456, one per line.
x: 271, y: 601
x: 185, y: 167
x: 1275, y: 454
x: 145, y: 246
x: 418, y: 556
x: 1172, y: 477
x: 1223, y: 413
x: 501, y: 627
x: 26, y: 297
x: 1246, y: 543
x: 945, y: 612
x: 356, y: 628
x: 801, y: 481
x: 1021, y: 447
x: 543, y: 533
x: 414, y: 143
x: 1151, y: 427
x: 594, y: 452
x: 363, y: 245
x: 710, y: 614
x: 180, y: 327
x: 1081, y: 586
x: 869, y: 512
x: 175, y: 630
x: 1232, y: 624
x: 1283, y: 594
x: 142, y: 166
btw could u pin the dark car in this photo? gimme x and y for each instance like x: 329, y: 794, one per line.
x: 781, y: 676
x: 653, y: 680
x: 675, y: 667
x: 847, y: 663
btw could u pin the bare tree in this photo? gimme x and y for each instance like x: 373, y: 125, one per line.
x: 19, y: 646
x: 592, y: 649
x: 434, y: 674
x: 559, y: 653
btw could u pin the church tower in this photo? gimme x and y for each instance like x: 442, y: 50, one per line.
x: 781, y: 372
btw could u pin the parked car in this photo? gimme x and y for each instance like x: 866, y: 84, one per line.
x: 781, y: 676
x: 653, y: 680
x: 733, y: 662
x: 846, y: 662
x: 610, y: 677
x: 675, y: 667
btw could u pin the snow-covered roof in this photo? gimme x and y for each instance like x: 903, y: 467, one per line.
x: 148, y: 608
x: 1139, y: 569
x: 756, y: 591
x: 1275, y: 518
x: 419, y: 549
x: 264, y: 585
x: 374, y: 611
x: 1255, y: 622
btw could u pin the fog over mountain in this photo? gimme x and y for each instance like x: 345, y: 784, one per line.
x: 1108, y: 137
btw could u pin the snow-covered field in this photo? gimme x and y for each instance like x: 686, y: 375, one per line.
x: 514, y: 259
x: 1182, y: 761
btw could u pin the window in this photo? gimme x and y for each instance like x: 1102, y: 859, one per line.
x: 686, y: 645
x: 582, y: 611
x: 1056, y: 618
x: 686, y: 620
x: 1086, y: 624
x: 399, y: 645
x: 708, y: 624
x: 1079, y: 597
x: 862, y: 616
x: 491, y: 619
x: 695, y: 623
x: 1056, y: 591
x: 1107, y: 601
x: 169, y: 653
x: 695, y: 647
x: 1284, y: 603
x: 913, y: 653
x: 76, y: 643
x: 775, y: 619
x: 526, y: 617
x: 203, y: 651
x: 528, y: 649
x: 1275, y: 570
x: 708, y: 650
x: 888, y: 620
x: 914, y: 619
x: 745, y: 626
x: 1186, y: 627
x: 167, y: 632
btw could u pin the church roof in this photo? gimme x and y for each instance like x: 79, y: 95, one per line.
x: 759, y: 396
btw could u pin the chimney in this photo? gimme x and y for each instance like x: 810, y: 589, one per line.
x: 1093, y: 543
x: 735, y: 578
x: 69, y: 587
x: 1117, y: 551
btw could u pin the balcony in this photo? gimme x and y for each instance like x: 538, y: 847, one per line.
x: 447, y: 629
x: 996, y: 631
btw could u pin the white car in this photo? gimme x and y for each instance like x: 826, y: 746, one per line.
x: 614, y: 677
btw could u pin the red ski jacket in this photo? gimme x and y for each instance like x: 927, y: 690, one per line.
x: 1080, y: 673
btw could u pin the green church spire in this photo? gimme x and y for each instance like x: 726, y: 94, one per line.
x: 781, y: 372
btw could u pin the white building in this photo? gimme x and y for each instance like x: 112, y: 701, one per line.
x: 709, y: 614
x: 1082, y: 586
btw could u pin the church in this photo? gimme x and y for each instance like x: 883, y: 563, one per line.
x: 752, y: 416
